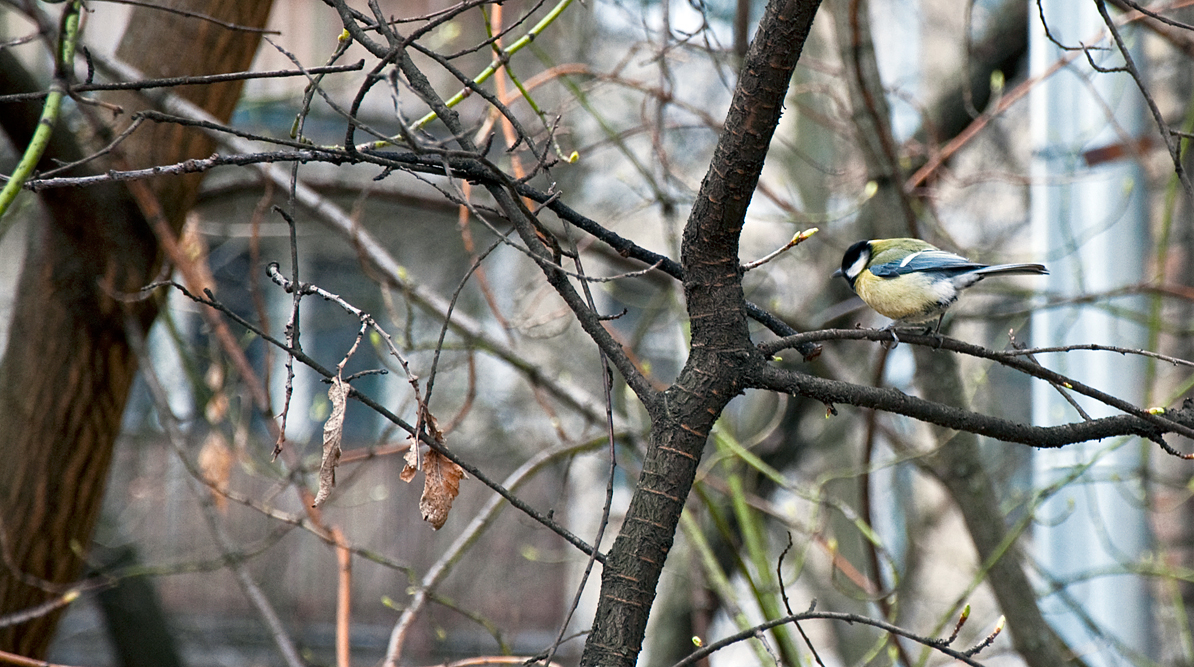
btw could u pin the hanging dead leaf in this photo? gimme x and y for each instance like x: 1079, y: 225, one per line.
x: 214, y: 377
x: 412, y: 461
x: 194, y: 248
x: 333, y: 434
x: 441, y: 484
x: 215, y: 462
x: 216, y: 408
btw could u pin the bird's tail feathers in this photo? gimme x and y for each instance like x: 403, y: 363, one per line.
x: 1004, y: 269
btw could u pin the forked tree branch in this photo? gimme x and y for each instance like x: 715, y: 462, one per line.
x: 721, y: 347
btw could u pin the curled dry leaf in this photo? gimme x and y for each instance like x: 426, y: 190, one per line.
x: 412, y: 461
x: 214, y: 377
x: 333, y: 434
x: 194, y: 247
x: 216, y: 408
x: 441, y: 484
x: 215, y: 462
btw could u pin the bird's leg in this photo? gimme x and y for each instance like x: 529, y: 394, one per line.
x: 895, y: 340
x: 937, y: 331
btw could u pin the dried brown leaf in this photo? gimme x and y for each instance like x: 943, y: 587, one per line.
x: 333, y: 434
x: 215, y: 462
x: 214, y: 377
x: 441, y: 484
x: 194, y: 248
x: 216, y: 408
x: 412, y: 462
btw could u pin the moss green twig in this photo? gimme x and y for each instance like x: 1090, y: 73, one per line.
x: 68, y: 39
x: 750, y: 525
x: 718, y: 580
x: 496, y: 63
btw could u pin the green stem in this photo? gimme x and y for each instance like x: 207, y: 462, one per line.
x: 766, y: 588
x: 1162, y: 258
x: 496, y: 64
x: 49, y: 113
x: 718, y: 580
x: 503, y: 55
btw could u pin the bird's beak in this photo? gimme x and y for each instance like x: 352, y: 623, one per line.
x: 838, y: 274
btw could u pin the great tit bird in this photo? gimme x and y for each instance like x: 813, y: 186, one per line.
x: 911, y: 281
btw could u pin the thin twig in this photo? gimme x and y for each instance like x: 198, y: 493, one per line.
x: 1061, y: 391
x: 21, y: 661
x: 1175, y: 152
x: 796, y: 240
x: 291, y: 331
x: 783, y: 590
x: 451, y: 556
x: 942, y: 342
x: 194, y: 15
x: 990, y: 639
x: 176, y: 81
x: 750, y: 633
x: 1028, y: 351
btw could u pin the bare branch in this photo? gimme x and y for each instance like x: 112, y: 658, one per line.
x: 1157, y: 423
x: 935, y: 644
x: 176, y: 81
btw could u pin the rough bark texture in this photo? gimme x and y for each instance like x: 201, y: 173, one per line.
x: 721, y: 344
x: 67, y: 370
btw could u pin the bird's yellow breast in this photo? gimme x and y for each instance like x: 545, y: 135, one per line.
x: 912, y: 297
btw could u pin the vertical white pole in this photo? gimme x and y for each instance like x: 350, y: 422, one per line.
x: 1089, y: 223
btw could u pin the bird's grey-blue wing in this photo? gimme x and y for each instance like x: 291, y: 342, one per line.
x: 926, y: 260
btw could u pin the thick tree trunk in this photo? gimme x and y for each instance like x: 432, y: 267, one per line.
x: 67, y: 370
x: 720, y: 341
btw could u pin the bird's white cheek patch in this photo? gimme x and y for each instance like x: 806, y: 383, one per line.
x: 857, y: 267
